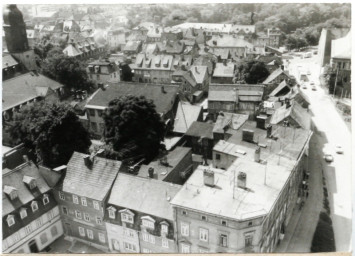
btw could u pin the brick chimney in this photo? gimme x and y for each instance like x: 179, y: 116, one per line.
x: 257, y: 155
x: 269, y: 131
x: 151, y: 172
x: 242, y: 180
x: 208, y: 178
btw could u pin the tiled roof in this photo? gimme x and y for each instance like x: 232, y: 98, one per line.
x: 232, y: 120
x: 14, y: 178
x: 173, y: 159
x: 72, y: 51
x: 145, y: 195
x: 274, y: 75
x: 224, y: 70
x: 228, y: 41
x: 153, y: 62
x: 186, y: 114
x: 221, y: 52
x: 222, y: 93
x: 174, y: 47
x: 93, y: 182
x: 199, y: 73
x: 200, y: 129
x: 163, y: 100
x: 8, y: 61
x: 21, y: 89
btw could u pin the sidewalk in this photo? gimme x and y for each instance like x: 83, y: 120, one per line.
x: 300, y: 229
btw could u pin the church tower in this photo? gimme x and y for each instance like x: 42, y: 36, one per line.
x: 16, y: 37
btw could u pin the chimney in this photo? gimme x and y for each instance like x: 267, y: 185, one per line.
x: 288, y: 103
x: 87, y: 161
x: 182, y: 57
x: 151, y: 172
x: 163, y: 89
x: 269, y: 131
x: 225, y: 62
x: 208, y: 178
x: 196, y: 70
x: 242, y: 180
x: 248, y: 135
x: 282, y: 67
x: 257, y: 155
x: 261, y: 121
x: 214, y: 42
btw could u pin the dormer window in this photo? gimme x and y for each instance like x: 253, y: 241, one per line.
x: 112, y: 212
x: 164, y: 227
x: 45, y: 199
x: 148, y: 222
x: 10, y: 220
x: 11, y: 192
x: 127, y: 216
x: 30, y: 181
x: 23, y: 213
x: 34, y: 206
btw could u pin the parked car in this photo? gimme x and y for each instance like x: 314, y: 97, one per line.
x: 328, y: 157
x: 304, y: 86
x: 311, y: 83
x: 314, y: 88
x: 339, y: 149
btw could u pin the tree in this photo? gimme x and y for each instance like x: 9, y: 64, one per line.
x: 52, y: 130
x: 252, y: 72
x: 133, y: 127
x: 66, y: 70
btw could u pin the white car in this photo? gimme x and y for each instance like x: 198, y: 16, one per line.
x: 311, y: 82
x: 314, y: 88
x: 339, y: 149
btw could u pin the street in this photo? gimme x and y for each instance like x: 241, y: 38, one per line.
x: 333, y: 131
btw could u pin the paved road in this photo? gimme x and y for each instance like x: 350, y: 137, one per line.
x: 338, y: 174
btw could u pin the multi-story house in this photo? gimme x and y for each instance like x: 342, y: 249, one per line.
x: 247, y: 206
x: 117, y: 38
x: 139, y: 217
x: 222, y: 98
x: 164, y: 97
x: 82, y: 198
x: 30, y: 213
x: 102, y: 71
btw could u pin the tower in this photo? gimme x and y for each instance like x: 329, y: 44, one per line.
x: 16, y: 37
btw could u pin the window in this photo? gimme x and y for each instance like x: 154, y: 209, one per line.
x: 91, y: 112
x: 151, y: 239
x: 248, y: 239
x: 54, y: 231
x: 102, y: 126
x: 83, y: 201
x: 218, y: 157
x: 98, y: 77
x: 13, y: 195
x: 164, y: 228
x: 65, y: 210
x: 90, y: 234
x: 128, y: 232
x: 165, y: 243
x: 111, y: 212
x: 96, y: 205
x: 223, y: 240
x: 148, y: 224
x: 43, y: 238
x: 102, y: 238
x: 34, y: 206
x: 127, y: 218
x: 116, y: 245
x: 145, y: 236
x: 77, y: 214
x: 10, y: 220
x: 184, y: 229
x: 250, y: 224
x: 130, y: 247
x: 81, y: 231
x: 98, y: 220
x: 28, y: 229
x: 146, y: 250
x: 75, y: 199
x: 61, y: 196
x: 86, y: 217
x: 16, y: 237
x: 39, y: 222
x: 23, y: 213
x: 185, y: 248
x: 203, y: 234
x: 204, y: 218
x: 99, y: 112
x: 32, y: 184
x: 184, y: 213
x: 45, y: 199
x: 224, y: 223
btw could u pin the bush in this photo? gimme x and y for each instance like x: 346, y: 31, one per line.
x: 323, y: 239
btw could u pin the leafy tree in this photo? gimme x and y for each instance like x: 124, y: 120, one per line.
x: 66, y: 70
x: 251, y: 72
x: 133, y: 127
x: 52, y: 130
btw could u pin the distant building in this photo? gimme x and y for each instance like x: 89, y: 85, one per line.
x: 139, y: 217
x: 82, y: 197
x: 270, y: 38
x: 117, y: 38
x: 102, y: 71
x: 30, y: 213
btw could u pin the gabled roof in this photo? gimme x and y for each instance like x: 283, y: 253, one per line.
x: 8, y: 61
x: 72, y: 51
x: 295, y: 111
x: 274, y: 75
x: 132, y: 46
x: 199, y: 73
x: 21, y: 89
x: 163, y: 100
x: 14, y: 178
x: 200, y: 129
x: 222, y: 93
x: 93, y: 182
x: 279, y: 88
x: 232, y: 120
x: 224, y: 70
x: 150, y: 196
x: 186, y: 114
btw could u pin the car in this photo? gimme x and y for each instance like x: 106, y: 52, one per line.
x: 328, y: 157
x: 304, y: 87
x: 311, y: 83
x: 339, y: 149
x: 314, y: 88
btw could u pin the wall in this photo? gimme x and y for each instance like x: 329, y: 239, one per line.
x: 226, y: 160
